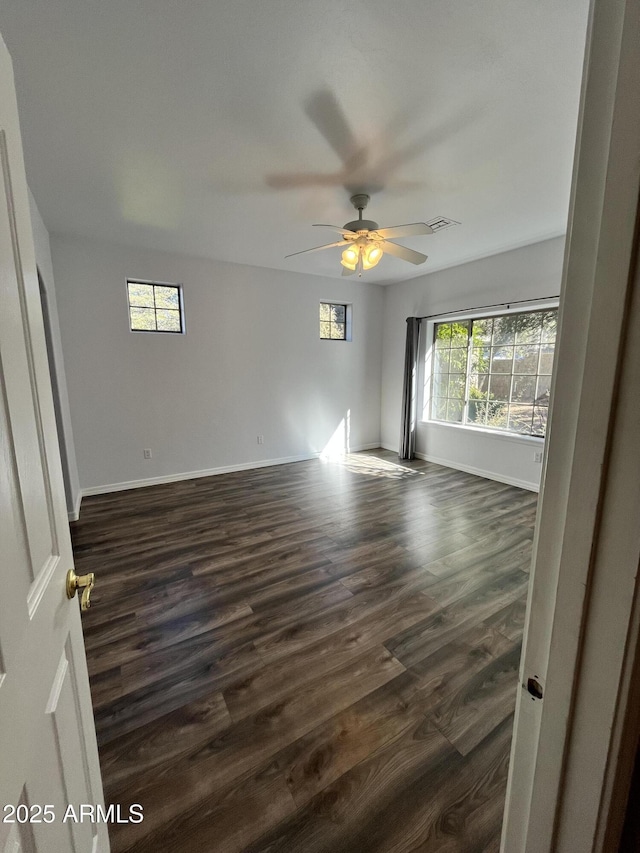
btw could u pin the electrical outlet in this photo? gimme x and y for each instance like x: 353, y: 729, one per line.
x: 147, y: 453
x: 537, y: 455
x: 260, y: 439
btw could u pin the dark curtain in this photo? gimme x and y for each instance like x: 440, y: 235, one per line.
x: 409, y: 391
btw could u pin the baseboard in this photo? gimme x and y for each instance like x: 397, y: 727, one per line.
x: 74, y: 514
x: 470, y: 469
x: 193, y: 475
x: 480, y: 472
x: 284, y: 460
x: 208, y: 472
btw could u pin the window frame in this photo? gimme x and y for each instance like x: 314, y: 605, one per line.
x: 348, y: 312
x: 426, y: 371
x: 183, y: 330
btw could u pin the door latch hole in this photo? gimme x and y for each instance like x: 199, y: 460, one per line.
x: 535, y: 688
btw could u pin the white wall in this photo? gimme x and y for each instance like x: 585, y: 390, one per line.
x: 59, y: 381
x: 250, y: 363
x: 525, y: 273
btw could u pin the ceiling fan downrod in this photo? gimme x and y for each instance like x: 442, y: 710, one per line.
x: 360, y: 201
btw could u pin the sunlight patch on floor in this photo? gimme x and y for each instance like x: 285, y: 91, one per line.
x: 373, y: 466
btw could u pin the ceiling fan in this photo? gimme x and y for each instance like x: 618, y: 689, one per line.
x: 365, y: 243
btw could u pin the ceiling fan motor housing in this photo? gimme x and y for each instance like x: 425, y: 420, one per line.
x: 361, y: 225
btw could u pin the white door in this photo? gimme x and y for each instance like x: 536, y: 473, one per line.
x: 48, y: 752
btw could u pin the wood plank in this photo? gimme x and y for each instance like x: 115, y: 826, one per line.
x: 227, y: 823
x: 217, y: 628
x: 175, y: 619
x: 152, y: 693
x: 479, y: 706
x: 151, y: 747
x: 293, y: 669
x: 423, y: 638
x: 245, y: 746
x: 341, y: 814
x: 321, y: 757
x: 286, y: 641
x: 492, y: 552
x: 451, y: 808
x: 432, y: 680
x: 510, y: 620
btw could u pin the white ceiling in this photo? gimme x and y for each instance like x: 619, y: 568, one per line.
x: 174, y: 125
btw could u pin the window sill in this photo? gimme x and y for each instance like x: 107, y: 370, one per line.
x: 487, y: 433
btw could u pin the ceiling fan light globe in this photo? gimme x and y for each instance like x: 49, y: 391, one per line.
x: 371, y: 256
x: 350, y: 258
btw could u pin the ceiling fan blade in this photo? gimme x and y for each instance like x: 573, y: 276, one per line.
x: 317, y: 248
x: 413, y: 230
x: 334, y: 228
x: 346, y: 271
x: 403, y: 252
x: 311, y: 179
x: 329, y: 118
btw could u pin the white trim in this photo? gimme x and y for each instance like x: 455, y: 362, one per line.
x: 514, y: 437
x: 211, y: 472
x: 480, y: 472
x: 74, y: 514
x: 193, y: 475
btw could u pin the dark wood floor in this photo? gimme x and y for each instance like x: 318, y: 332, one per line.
x: 313, y: 657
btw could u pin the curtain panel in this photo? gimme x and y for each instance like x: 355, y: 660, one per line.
x: 410, y: 390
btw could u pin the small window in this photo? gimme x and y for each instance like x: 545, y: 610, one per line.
x: 333, y: 321
x: 155, y: 307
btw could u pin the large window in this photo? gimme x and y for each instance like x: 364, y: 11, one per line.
x: 154, y: 307
x: 494, y: 372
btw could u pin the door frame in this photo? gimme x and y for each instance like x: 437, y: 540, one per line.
x: 570, y: 765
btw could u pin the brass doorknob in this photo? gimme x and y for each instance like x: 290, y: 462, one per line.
x: 83, y: 582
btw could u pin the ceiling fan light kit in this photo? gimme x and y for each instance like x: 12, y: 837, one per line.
x: 362, y: 254
x: 365, y: 242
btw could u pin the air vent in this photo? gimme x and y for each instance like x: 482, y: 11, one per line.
x: 440, y: 223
